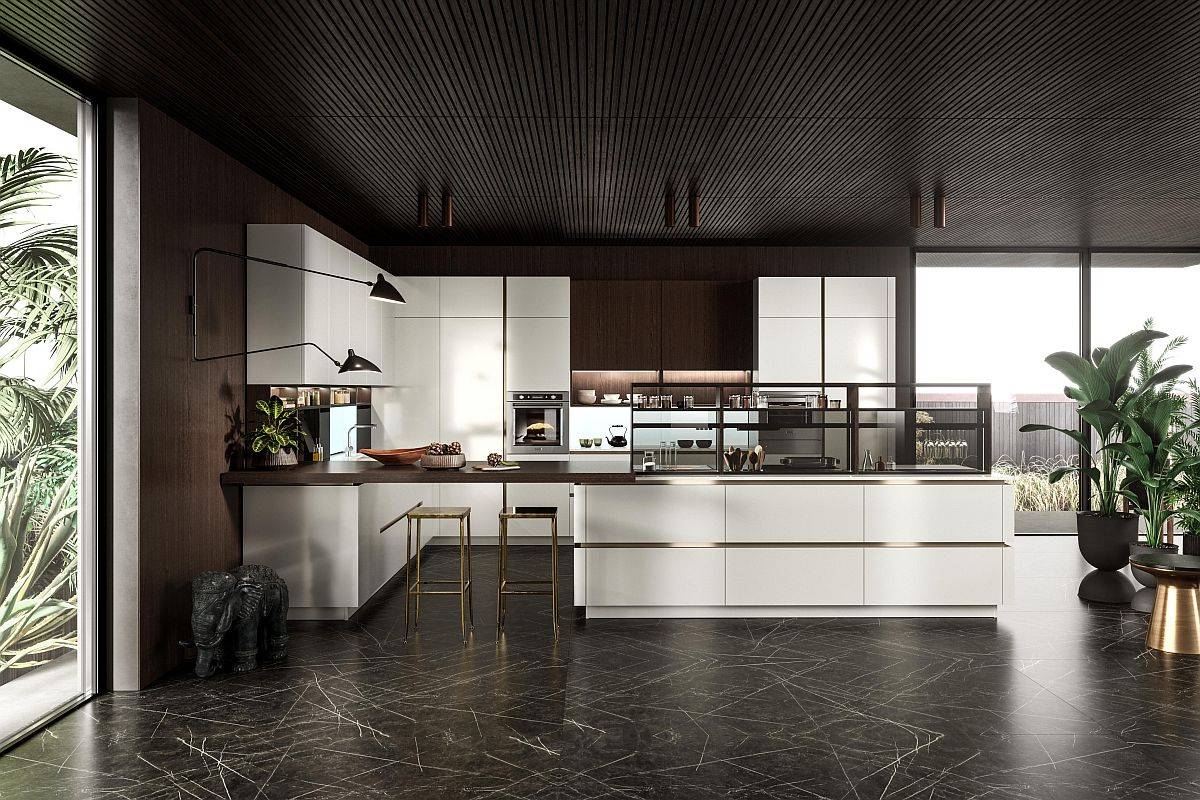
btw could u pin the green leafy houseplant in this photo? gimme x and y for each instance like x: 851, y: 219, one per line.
x: 38, y: 443
x: 1153, y: 461
x: 1188, y: 449
x: 1101, y: 387
x: 276, y: 433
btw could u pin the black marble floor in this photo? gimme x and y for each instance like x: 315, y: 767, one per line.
x: 1046, y: 704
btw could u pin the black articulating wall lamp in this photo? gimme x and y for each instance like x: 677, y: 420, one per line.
x: 381, y: 290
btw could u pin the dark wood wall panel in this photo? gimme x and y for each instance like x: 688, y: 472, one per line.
x: 1046, y: 123
x: 193, y: 195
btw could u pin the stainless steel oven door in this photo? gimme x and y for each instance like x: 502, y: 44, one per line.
x: 537, y: 424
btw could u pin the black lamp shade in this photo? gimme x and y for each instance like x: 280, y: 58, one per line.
x: 355, y: 363
x: 385, y: 292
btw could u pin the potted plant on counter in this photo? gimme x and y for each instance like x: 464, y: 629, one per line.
x: 274, y: 441
x: 1101, y: 387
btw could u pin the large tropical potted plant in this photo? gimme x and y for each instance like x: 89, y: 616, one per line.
x: 1101, y: 386
x: 1154, y: 464
x: 1188, y: 504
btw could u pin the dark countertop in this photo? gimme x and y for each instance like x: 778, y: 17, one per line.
x: 351, y: 473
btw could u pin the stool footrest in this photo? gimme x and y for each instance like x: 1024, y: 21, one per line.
x: 526, y: 591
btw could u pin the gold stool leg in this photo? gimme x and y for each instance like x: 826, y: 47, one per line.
x: 554, y: 572
x: 407, y: 573
x: 504, y: 577
x: 499, y: 573
x: 470, y: 589
x: 417, y: 599
x: 1175, y: 620
x: 462, y: 580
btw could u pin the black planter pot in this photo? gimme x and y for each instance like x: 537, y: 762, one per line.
x: 1143, y: 577
x: 1104, y: 542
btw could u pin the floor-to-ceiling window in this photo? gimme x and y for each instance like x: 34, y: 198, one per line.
x: 994, y: 317
x: 1131, y: 289
x: 46, y: 400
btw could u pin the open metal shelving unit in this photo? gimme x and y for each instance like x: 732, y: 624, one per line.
x: 902, y: 422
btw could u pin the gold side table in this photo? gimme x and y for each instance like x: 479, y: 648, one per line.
x: 413, y: 590
x: 502, y: 582
x: 1175, y: 620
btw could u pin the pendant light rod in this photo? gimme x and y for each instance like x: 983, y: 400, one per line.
x: 694, y: 211
x: 669, y: 209
x: 939, y: 209
x: 448, y: 210
x: 423, y: 210
x: 915, y: 210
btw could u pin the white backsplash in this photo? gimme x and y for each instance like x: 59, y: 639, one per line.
x: 594, y: 421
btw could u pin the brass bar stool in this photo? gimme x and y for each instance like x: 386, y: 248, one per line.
x: 502, y: 581
x: 414, y: 589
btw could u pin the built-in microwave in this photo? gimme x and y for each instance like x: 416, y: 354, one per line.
x: 537, y: 424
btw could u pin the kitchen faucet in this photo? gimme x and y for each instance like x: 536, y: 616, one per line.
x: 350, y: 448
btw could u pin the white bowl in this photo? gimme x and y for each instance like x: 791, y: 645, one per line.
x: 612, y: 397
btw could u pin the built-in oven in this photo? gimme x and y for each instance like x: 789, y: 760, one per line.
x: 537, y: 424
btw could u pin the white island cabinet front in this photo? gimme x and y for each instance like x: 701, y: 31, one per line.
x: 858, y: 546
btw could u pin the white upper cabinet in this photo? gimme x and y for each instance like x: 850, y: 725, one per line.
x: 275, y: 304
x: 538, y: 354
x: 285, y: 307
x: 539, y: 297
x: 422, y: 297
x: 788, y: 349
x: 472, y: 297
x: 789, y: 297
x: 370, y: 323
x: 472, y: 384
x: 860, y: 297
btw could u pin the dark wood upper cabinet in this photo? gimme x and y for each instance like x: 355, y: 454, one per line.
x: 707, y: 325
x: 670, y: 325
x: 615, y: 325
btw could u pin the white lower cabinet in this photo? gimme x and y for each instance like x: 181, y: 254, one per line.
x: 794, y: 576
x: 557, y: 495
x: 934, y: 576
x: 485, y: 501
x: 935, y: 513
x: 309, y: 535
x: 649, y: 576
x: 818, y: 513
x: 623, y: 514
x: 382, y: 555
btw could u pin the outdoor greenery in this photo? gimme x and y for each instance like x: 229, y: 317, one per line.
x: 1032, y: 489
x: 38, y: 488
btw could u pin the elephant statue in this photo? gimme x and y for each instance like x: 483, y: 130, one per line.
x: 253, y: 601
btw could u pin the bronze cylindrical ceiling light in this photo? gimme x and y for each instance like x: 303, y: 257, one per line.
x: 423, y: 210
x: 939, y: 209
x: 669, y: 209
x: 914, y: 209
x: 448, y: 211
x: 694, y: 211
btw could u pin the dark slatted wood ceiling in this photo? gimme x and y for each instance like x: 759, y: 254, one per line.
x: 1047, y: 123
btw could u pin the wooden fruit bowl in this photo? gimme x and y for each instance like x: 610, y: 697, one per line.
x: 405, y: 457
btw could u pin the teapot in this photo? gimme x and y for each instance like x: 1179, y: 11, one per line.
x: 618, y: 439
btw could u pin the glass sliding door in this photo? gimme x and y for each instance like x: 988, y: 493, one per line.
x: 46, y: 378
x: 994, y: 317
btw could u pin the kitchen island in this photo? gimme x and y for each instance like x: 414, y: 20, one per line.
x: 658, y: 545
